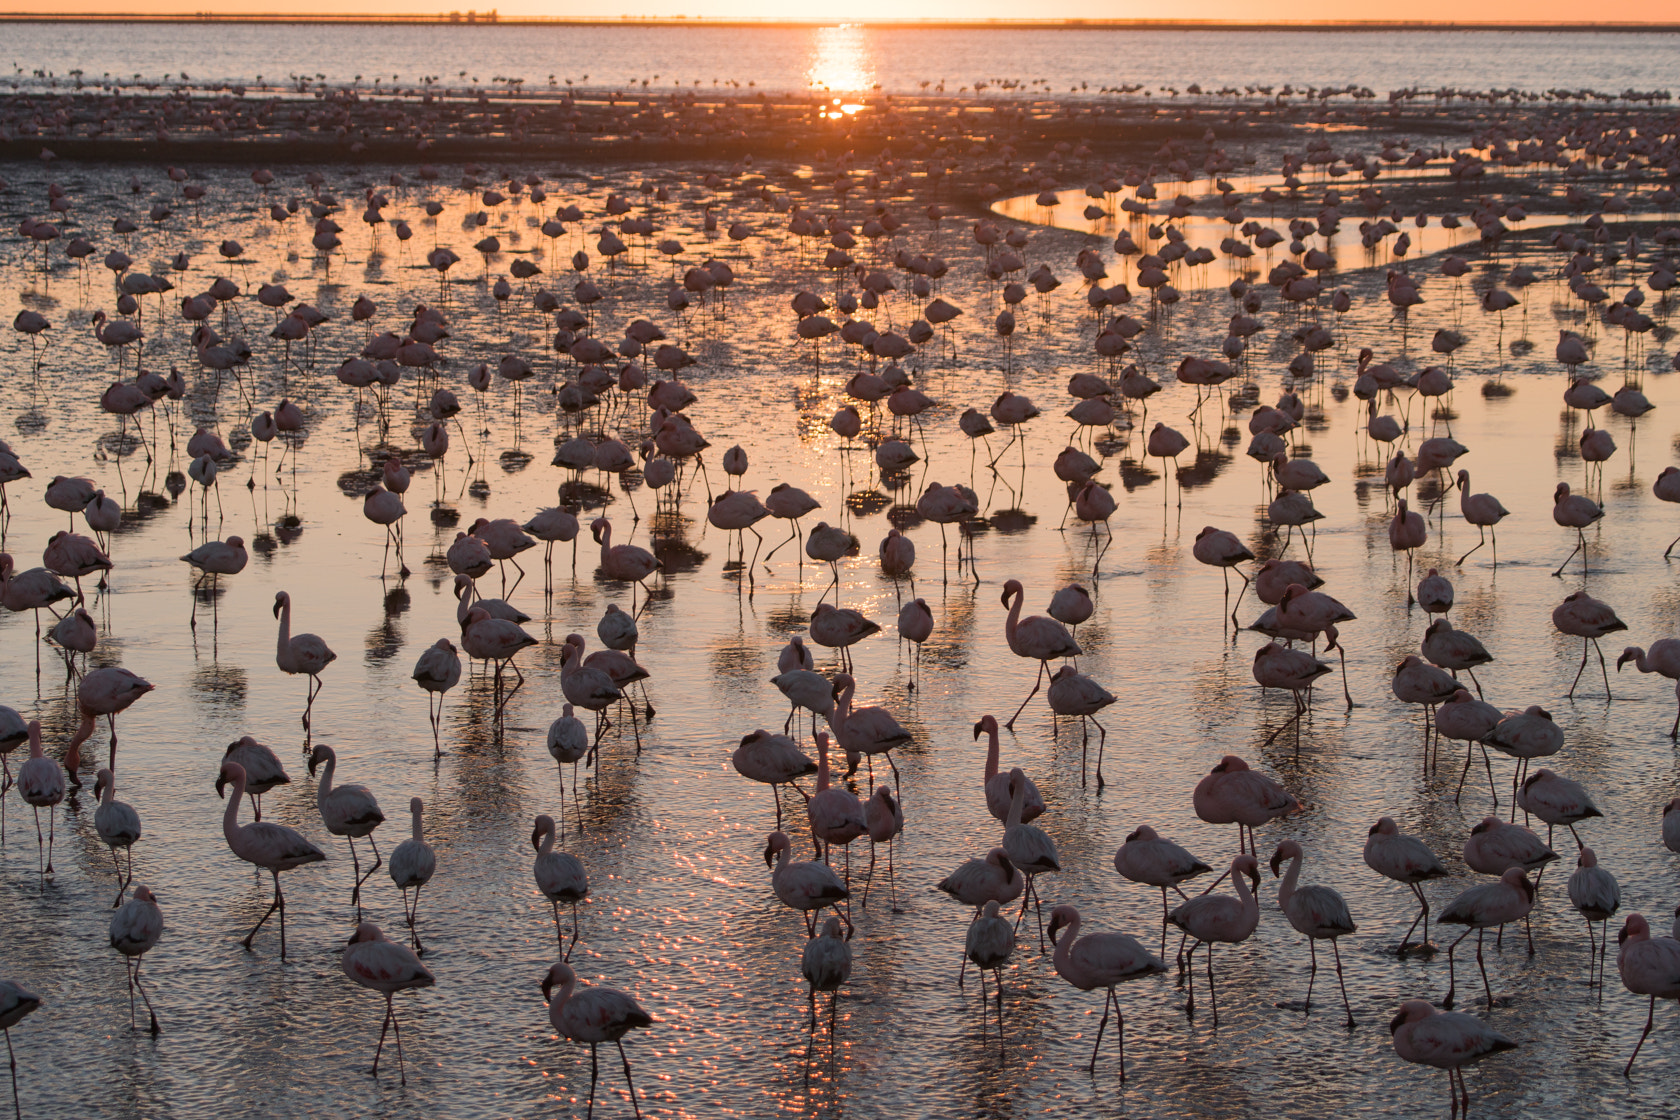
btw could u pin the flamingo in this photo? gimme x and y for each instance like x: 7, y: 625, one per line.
x: 1594, y: 893
x: 1100, y: 960
x: 1573, y: 511
x: 16, y: 1002
x: 1483, y: 511
x: 108, y: 692
x: 498, y: 640
x: 840, y: 628
x: 999, y: 785
x: 213, y: 560
x: 989, y: 944
x: 1405, y: 859
x: 1649, y: 966
x: 976, y: 882
x: 1231, y: 793
x: 1484, y: 905
x: 915, y: 625
x: 1448, y: 1040
x: 272, y: 847
x: 1582, y: 616
x: 437, y: 671
x: 349, y: 811
x: 586, y: 686
x: 1072, y: 693
x: 1294, y: 670
x: 1035, y: 637
x: 624, y: 562
x: 1317, y: 912
x: 1146, y: 858
x: 263, y: 770
x: 594, y: 1015
x: 804, y: 688
x: 884, y: 817
x: 1028, y: 847
x: 865, y: 732
x: 835, y: 814
x: 1221, y: 549
x: 1455, y: 650
x: 301, y: 653
x: 1664, y: 658
x: 788, y: 503
x: 40, y: 783
x: 136, y: 928
x: 774, y: 760
x: 1224, y: 918
x: 384, y: 966
x: 412, y: 865
x: 806, y: 887
x: 560, y: 877
x: 118, y: 826
x: 826, y: 964
x: 737, y: 511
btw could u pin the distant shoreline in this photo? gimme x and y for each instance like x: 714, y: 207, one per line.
x: 490, y: 18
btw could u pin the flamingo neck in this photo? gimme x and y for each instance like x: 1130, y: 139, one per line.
x: 324, y: 789
x: 84, y: 732
x: 822, y: 764
x: 1017, y: 800
x: 230, y: 817
x: 843, y: 702
x: 417, y: 834
x: 991, y: 754
x: 606, y: 544
x: 1064, y: 946
x: 547, y: 846
x: 1247, y: 897
x: 1014, y: 618
x: 283, y: 644
x: 1286, y: 889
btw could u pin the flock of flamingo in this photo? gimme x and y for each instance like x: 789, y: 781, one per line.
x: 620, y: 422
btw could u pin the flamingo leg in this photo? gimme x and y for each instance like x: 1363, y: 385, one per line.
x: 1312, y: 973
x: 145, y: 998
x: 1486, y: 988
x: 1452, y: 974
x: 12, y: 1057
x: 636, y: 1106
x: 1627, y: 1071
x: 1039, y: 681
x: 1107, y: 997
x: 278, y: 904
x: 1341, y: 981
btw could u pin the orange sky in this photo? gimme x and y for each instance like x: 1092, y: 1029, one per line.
x: 1243, y: 10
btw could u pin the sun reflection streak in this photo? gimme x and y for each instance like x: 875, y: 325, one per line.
x: 839, y: 59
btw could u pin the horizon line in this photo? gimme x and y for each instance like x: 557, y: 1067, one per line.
x: 491, y: 18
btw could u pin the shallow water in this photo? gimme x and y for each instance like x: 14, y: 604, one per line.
x: 846, y: 57
x: 681, y: 914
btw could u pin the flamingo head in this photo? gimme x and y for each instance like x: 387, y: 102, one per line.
x: 777, y: 842
x: 1629, y: 654
x: 367, y: 931
x: 1012, y: 587
x: 1141, y: 832
x: 1230, y: 764
x: 1060, y: 918
x: 842, y: 681
x: 281, y: 599
x: 1289, y: 849
x: 1247, y: 865
x: 987, y: 724
x: 544, y: 825
x: 99, y: 783
x: 1412, y: 1011
x: 318, y: 757
x: 596, y: 527
x: 230, y: 772
x: 1587, y: 858
x: 1385, y: 826
x: 1636, y: 928
x: 560, y: 974
x: 144, y: 894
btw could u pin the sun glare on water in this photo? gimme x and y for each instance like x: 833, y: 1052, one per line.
x: 839, y: 63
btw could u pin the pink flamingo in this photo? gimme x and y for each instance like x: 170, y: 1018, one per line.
x: 1596, y: 896
x: 866, y: 732
x: 1210, y: 918
x: 136, y: 928
x: 40, y: 783
x: 624, y: 562
x: 1318, y: 913
x: 884, y: 817
x: 1100, y: 960
x: 1649, y: 966
x: 1221, y: 549
x: 1148, y: 859
x: 836, y: 815
x: 107, y: 692
x: 301, y: 653
x: 1582, y: 616
x: 349, y: 811
x: 1036, y: 637
x: 774, y: 760
x: 1231, y: 793
x: 1448, y: 1040
x: 1408, y: 860
x: 387, y: 967
x: 803, y: 886
x: 840, y: 627
x: 594, y: 1015
x: 1663, y: 657
x: 999, y: 786
x: 1484, y: 905
x: 978, y: 882
x: 437, y: 671
x: 412, y: 866
x: 498, y: 640
x: 559, y: 876
x: 272, y: 847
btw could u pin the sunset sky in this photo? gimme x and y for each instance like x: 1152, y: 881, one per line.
x: 1240, y: 10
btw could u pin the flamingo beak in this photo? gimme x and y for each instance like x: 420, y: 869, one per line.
x: 979, y: 727
x: 1623, y: 660
x: 276, y: 608
x: 98, y: 788
x: 1055, y: 927
x: 1276, y: 863
x: 1397, y: 1022
x: 536, y: 839
x: 769, y: 854
x: 1005, y: 599
x: 547, y: 986
x: 313, y: 763
x: 221, y: 782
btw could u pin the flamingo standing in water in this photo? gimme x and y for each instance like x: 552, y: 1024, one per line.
x: 1035, y: 637
x: 1100, y: 960
x: 386, y: 967
x: 349, y: 811
x: 1582, y: 616
x: 300, y: 653
x: 1221, y: 549
x: 594, y: 1015
x: 989, y: 945
x: 1029, y: 848
x: 1319, y: 913
x: 135, y: 928
x: 272, y: 847
x: 865, y: 732
x: 1233, y: 794
x: 1213, y: 917
x: 560, y: 877
x: 40, y: 783
x: 1408, y: 860
x: 1662, y: 657
x: 625, y: 562
x: 568, y: 742
x: 803, y: 886
x: 437, y: 671
x: 1000, y: 785
x: 1484, y: 905
x: 884, y: 817
x: 1596, y: 896
x: 835, y: 814
x: 15, y: 1003
x: 1448, y: 1040
x: 118, y: 826
x: 774, y: 760
x: 412, y: 865
x: 108, y: 692
x: 1650, y: 966
x: 826, y: 964
x: 1148, y: 859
